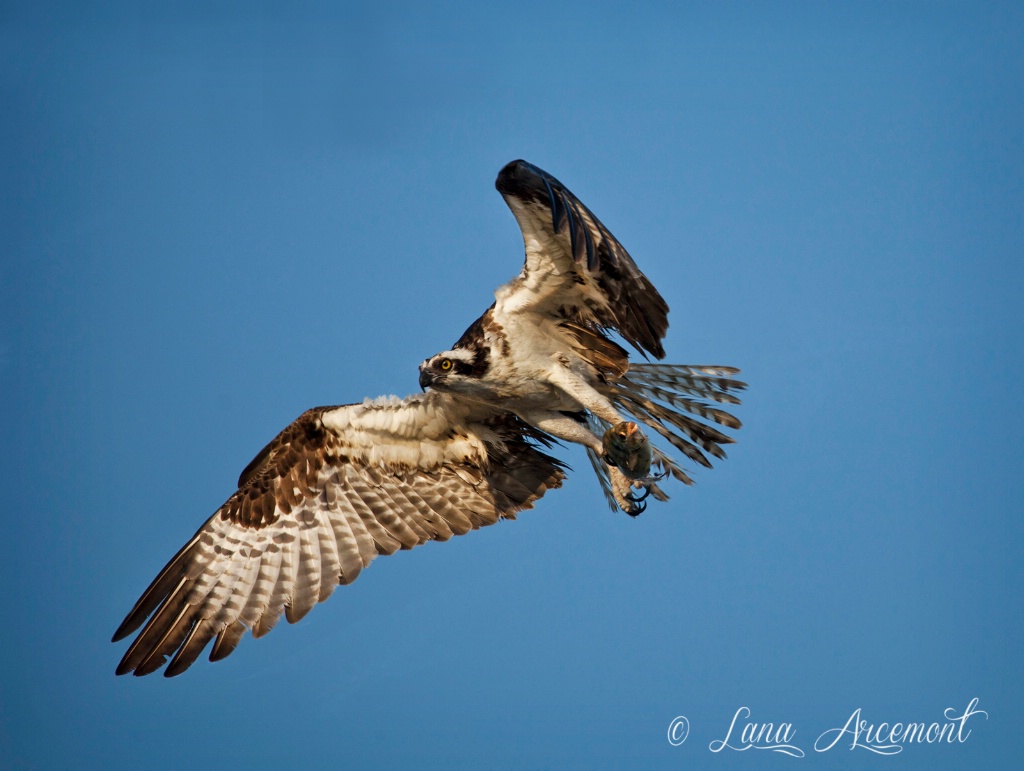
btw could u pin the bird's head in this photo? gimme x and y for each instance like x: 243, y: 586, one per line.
x: 456, y: 370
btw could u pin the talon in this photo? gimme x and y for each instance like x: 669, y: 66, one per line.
x: 638, y: 498
x: 628, y: 493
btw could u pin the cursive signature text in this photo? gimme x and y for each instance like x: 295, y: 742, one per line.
x: 758, y: 736
x: 889, y: 738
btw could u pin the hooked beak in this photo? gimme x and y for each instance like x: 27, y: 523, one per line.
x: 426, y: 378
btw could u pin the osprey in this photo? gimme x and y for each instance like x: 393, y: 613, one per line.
x: 341, y: 485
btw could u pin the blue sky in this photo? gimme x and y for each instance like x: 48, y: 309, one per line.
x: 214, y: 219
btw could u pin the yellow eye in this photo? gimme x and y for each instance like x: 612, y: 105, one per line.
x: 446, y: 364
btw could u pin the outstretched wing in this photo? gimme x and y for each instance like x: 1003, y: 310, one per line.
x: 333, y: 490
x: 574, y: 267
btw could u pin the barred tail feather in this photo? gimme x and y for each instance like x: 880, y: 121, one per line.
x: 705, y: 381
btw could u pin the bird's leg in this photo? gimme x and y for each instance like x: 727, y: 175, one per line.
x: 565, y: 428
x: 625, y: 449
x: 570, y: 430
x: 623, y: 484
x: 622, y: 491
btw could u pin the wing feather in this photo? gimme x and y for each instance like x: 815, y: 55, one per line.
x: 227, y: 641
x: 307, y: 576
x: 375, y: 516
x: 263, y: 588
x: 351, y: 506
x: 401, y: 523
x: 334, y: 489
x: 330, y: 565
x: 171, y: 630
x: 201, y: 633
x: 459, y: 522
x: 284, y: 590
x: 277, y: 594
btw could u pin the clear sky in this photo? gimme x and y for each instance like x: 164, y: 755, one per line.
x: 215, y: 219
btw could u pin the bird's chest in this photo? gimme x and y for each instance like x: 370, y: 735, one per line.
x: 524, y: 358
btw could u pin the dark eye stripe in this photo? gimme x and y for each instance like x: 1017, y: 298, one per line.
x: 457, y: 366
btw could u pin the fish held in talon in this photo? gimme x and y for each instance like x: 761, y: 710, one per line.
x: 628, y: 448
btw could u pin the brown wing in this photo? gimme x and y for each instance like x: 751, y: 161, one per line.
x: 314, y: 508
x: 574, y: 263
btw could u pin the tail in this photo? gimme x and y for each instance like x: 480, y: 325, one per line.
x: 669, y: 398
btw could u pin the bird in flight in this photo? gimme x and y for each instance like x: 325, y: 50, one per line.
x: 341, y: 485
